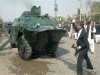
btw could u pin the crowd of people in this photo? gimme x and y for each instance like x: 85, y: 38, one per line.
x: 4, y: 28
x: 85, y: 33
x: 90, y: 26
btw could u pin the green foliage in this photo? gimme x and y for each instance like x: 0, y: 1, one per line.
x: 96, y: 17
x: 87, y: 18
x: 69, y: 19
x: 78, y: 18
x: 1, y: 21
x: 96, y: 7
x: 59, y: 19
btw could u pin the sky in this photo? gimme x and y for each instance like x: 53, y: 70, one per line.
x: 11, y: 9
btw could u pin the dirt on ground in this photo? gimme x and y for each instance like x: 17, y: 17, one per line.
x: 63, y: 64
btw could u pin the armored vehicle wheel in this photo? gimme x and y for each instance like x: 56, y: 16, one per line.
x: 24, y: 49
x: 51, y: 49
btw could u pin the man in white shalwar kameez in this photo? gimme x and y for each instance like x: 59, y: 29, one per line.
x: 91, y: 30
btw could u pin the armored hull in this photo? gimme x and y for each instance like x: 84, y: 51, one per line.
x: 43, y: 39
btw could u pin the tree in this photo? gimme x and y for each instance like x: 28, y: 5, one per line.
x: 69, y: 19
x: 96, y: 7
x: 59, y: 19
x: 1, y: 21
x: 89, y: 5
x: 96, y: 17
x: 94, y: 10
x: 93, y: 6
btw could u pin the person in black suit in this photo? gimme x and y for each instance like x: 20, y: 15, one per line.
x: 82, y: 48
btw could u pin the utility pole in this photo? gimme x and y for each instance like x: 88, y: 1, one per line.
x: 80, y: 8
x: 56, y: 9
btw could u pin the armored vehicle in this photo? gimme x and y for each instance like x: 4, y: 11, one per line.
x: 31, y: 32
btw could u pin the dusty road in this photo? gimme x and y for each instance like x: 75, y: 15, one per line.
x: 63, y: 64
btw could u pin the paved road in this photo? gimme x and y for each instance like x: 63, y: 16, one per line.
x: 63, y: 64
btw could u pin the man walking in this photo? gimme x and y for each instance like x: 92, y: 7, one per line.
x: 82, y: 48
x: 91, y: 30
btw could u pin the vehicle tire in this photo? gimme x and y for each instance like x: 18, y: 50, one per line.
x: 24, y: 49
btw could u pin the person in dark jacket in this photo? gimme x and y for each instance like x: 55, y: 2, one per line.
x: 82, y: 48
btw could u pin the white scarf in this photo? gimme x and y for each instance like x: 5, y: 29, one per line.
x: 89, y: 35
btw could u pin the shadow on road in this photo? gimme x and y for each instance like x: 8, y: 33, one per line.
x: 71, y: 64
x: 42, y: 53
x: 60, y: 52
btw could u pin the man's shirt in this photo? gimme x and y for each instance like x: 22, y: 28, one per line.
x: 79, y: 33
